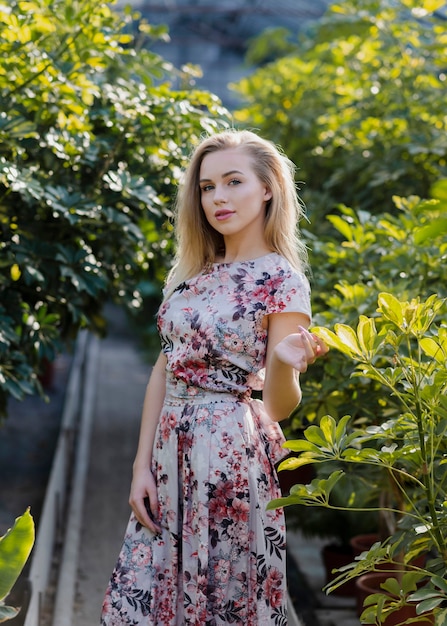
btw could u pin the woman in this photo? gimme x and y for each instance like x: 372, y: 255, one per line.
x: 200, y: 548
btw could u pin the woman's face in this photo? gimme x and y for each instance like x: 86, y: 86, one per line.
x: 233, y: 198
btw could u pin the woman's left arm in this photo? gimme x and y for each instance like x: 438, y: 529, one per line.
x: 290, y: 350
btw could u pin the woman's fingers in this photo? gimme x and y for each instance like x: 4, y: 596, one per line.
x: 318, y: 347
x: 300, y: 349
x: 144, y: 502
x: 309, y: 344
x: 145, y: 516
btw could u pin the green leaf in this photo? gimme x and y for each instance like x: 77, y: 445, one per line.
x: 301, y: 445
x: 429, y: 605
x: 348, y: 338
x: 317, y: 493
x: 295, y: 462
x: 392, y: 585
x: 432, y: 349
x: 342, y: 226
x: 367, y: 335
x: 439, y: 582
x: 328, y: 428
x: 441, y: 618
x: 15, y: 547
x: 424, y: 594
x: 341, y: 427
x: 331, y: 339
x: 315, y: 435
x: 391, y: 308
x: 439, y: 189
x: 431, y: 232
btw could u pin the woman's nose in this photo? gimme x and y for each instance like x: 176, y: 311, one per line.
x: 219, y: 195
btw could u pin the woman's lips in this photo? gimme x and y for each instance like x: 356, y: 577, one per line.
x: 223, y: 215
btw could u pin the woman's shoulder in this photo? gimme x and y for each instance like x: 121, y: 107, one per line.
x: 276, y: 263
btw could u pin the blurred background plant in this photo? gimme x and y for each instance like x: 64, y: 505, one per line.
x: 357, y: 102
x: 92, y: 142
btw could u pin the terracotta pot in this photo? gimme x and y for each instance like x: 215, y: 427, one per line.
x: 335, y: 556
x: 300, y: 476
x: 370, y: 583
x: 362, y: 543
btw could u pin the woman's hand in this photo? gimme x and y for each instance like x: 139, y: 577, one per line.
x: 143, y: 499
x: 300, y: 349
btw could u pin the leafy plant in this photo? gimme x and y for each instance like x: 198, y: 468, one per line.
x: 404, y: 350
x: 15, y: 547
x: 357, y: 102
x: 92, y: 142
x: 402, y: 253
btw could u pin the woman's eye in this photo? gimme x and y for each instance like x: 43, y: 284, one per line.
x: 206, y: 188
x: 234, y: 181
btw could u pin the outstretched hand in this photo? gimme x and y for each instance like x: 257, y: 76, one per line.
x: 300, y: 349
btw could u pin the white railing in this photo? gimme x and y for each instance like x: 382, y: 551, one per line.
x: 55, y: 503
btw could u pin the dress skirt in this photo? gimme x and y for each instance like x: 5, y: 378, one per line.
x: 220, y: 558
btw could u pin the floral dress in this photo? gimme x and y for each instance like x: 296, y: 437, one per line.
x: 220, y: 558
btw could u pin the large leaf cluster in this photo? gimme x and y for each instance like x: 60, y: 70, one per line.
x: 403, y: 253
x: 358, y: 102
x: 92, y: 142
x: 404, y: 349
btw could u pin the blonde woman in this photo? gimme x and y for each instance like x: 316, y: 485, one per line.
x: 200, y: 548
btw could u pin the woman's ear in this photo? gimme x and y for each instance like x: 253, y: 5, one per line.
x: 267, y: 194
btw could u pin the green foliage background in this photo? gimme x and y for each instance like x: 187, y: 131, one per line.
x: 93, y: 137
x: 357, y: 102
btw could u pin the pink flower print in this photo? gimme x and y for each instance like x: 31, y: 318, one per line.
x: 227, y: 440
x: 237, y: 532
x: 224, y: 489
x: 222, y: 571
x: 202, y: 416
x: 166, y: 610
x: 260, y: 293
x: 218, y: 510
x: 219, y: 593
x: 167, y: 426
x: 233, y: 342
x: 190, y: 613
x: 272, y: 586
x: 114, y: 616
x: 202, y: 582
x: 191, y: 373
x: 107, y: 605
x: 276, y: 598
x: 240, y: 510
x: 141, y: 555
x: 199, y: 344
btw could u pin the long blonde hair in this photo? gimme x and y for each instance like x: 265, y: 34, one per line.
x: 198, y: 244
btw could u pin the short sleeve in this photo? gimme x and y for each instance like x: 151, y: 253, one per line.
x: 292, y: 294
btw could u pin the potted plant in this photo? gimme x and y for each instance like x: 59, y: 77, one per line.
x: 404, y: 349
x: 336, y: 526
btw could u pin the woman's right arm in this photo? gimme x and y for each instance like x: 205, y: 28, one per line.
x: 143, y: 482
